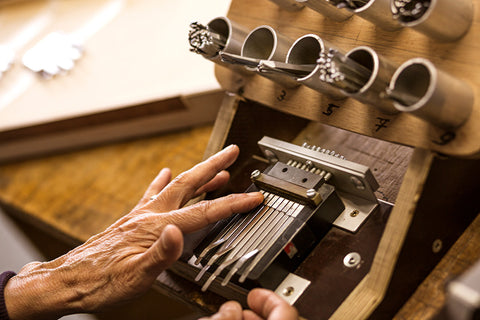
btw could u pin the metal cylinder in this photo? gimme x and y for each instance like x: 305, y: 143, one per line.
x: 379, y: 13
x: 431, y: 94
x: 443, y: 20
x: 326, y: 9
x: 306, y: 50
x: 265, y: 43
x: 234, y: 33
x: 372, y: 92
x: 289, y: 5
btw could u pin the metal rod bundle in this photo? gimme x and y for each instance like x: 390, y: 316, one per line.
x: 202, y: 40
x: 443, y: 20
x: 342, y: 72
x: 409, y: 10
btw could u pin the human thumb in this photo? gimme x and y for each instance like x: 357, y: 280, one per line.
x: 167, y: 249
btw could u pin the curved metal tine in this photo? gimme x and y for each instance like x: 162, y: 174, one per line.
x: 226, y: 247
x: 253, y: 225
x: 242, y: 230
x: 221, y: 237
x: 254, y: 246
x: 258, y: 241
x: 230, y: 229
x: 244, y: 242
x: 217, y: 272
x: 238, y: 265
x: 268, y: 242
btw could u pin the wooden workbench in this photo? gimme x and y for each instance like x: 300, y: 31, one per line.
x: 75, y: 195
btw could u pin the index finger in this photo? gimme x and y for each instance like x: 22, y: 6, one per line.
x: 203, y: 213
x: 184, y: 186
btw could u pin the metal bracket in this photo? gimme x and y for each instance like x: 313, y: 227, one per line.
x: 354, y: 183
x: 291, y: 288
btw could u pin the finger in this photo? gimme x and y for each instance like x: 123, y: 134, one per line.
x: 230, y: 310
x: 268, y: 305
x: 203, y: 213
x: 183, y: 187
x: 157, y: 185
x: 165, y: 251
x: 250, y: 315
x: 219, y: 181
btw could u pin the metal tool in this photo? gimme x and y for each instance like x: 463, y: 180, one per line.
x: 268, y: 66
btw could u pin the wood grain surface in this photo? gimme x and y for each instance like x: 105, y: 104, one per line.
x: 457, y: 58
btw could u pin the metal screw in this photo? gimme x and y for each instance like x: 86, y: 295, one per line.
x: 311, y: 193
x: 288, y: 291
x: 354, y: 213
x: 357, y: 183
x: 255, y: 174
x: 352, y: 260
x: 437, y: 245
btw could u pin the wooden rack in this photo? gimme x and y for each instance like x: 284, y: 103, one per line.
x: 436, y: 200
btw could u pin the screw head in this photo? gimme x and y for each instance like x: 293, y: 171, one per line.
x: 437, y: 246
x: 311, y: 193
x: 352, y: 260
x: 255, y: 174
x: 288, y: 291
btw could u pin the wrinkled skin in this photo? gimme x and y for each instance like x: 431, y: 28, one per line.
x: 123, y: 261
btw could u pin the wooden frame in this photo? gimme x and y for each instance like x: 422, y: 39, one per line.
x: 423, y: 180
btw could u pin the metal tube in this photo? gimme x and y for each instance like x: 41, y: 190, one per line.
x: 226, y: 36
x: 443, y: 20
x: 265, y: 43
x: 306, y: 50
x: 381, y: 72
x: 327, y: 9
x: 379, y: 13
x: 432, y: 94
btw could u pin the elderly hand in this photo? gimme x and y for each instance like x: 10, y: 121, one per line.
x: 264, y: 304
x: 123, y: 261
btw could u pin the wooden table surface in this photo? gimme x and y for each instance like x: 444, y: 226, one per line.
x: 77, y: 194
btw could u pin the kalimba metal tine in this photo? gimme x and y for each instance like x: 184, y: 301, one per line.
x: 255, y: 244
x: 238, y: 265
x: 226, y: 246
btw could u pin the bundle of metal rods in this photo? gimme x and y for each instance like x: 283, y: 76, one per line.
x: 341, y: 71
x: 409, y: 10
x: 202, y: 40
